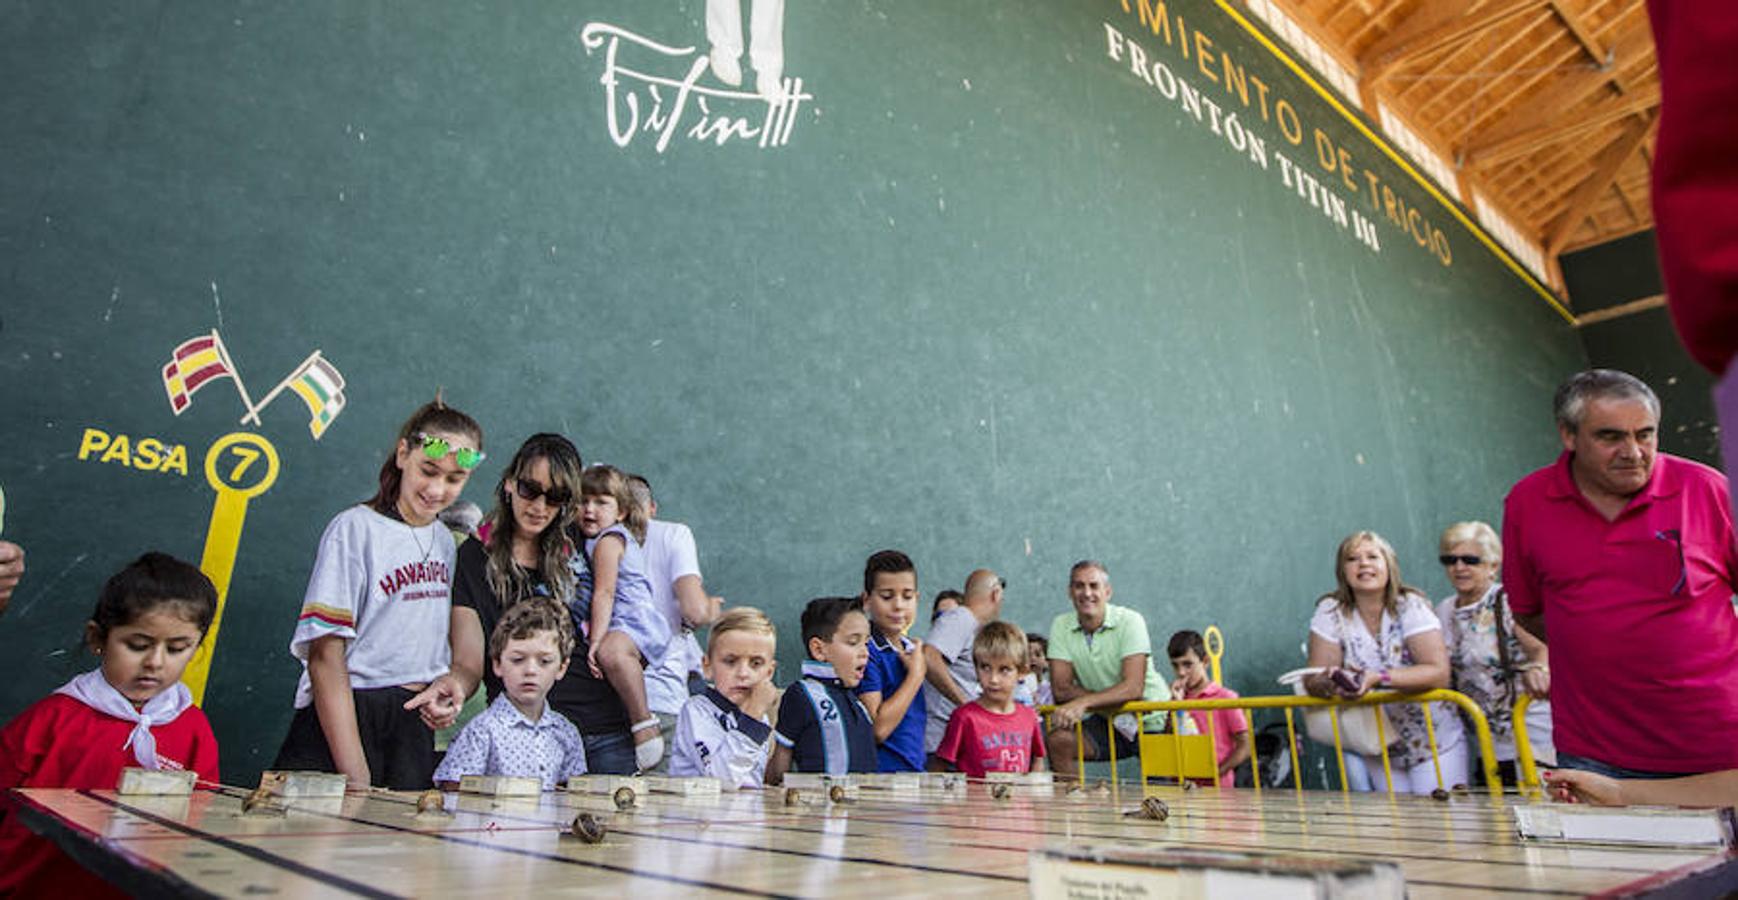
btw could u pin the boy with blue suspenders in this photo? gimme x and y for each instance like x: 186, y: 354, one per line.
x: 822, y: 726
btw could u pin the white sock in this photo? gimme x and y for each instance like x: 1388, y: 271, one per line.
x: 646, y: 755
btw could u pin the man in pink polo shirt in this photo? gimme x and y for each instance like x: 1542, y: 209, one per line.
x: 1624, y: 560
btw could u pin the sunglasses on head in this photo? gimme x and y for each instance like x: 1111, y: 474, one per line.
x: 1449, y: 559
x: 437, y: 448
x: 529, y: 491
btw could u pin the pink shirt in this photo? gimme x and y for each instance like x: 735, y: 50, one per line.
x: 1638, y: 614
x: 1228, y: 726
x: 979, y: 741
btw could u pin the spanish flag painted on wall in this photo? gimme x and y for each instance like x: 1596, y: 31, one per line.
x: 194, y: 364
x: 320, y: 386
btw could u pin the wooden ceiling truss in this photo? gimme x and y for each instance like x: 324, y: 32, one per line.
x: 1545, y: 108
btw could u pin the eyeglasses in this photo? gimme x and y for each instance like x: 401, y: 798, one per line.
x: 437, y: 448
x: 1449, y: 559
x: 529, y: 491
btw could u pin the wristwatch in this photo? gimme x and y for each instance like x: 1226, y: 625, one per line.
x: 1383, y: 679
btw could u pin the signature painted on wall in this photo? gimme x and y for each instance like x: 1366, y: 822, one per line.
x: 665, y: 98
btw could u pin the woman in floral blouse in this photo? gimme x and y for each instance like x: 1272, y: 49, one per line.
x: 1375, y: 633
x: 1493, y: 658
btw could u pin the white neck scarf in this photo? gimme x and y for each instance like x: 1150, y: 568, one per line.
x: 94, y: 691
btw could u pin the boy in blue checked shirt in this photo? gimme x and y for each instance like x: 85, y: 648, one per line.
x: 822, y: 726
x: 892, y: 683
x: 519, y: 735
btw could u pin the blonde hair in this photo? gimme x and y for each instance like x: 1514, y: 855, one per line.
x: 1490, y: 546
x: 1391, y: 591
x: 741, y: 618
x: 603, y: 480
x: 1000, y: 640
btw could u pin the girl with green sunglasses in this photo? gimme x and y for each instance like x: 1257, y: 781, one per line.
x: 373, y: 628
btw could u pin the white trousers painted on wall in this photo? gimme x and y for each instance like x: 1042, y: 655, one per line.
x: 766, y: 47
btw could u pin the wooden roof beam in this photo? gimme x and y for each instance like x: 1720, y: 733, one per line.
x: 1560, y: 128
x: 1369, y: 23
x: 1620, y: 310
x: 1609, y: 161
x: 1446, y: 27
x: 1515, y: 66
x: 1567, y: 93
x: 1500, y: 107
x: 1628, y: 205
x: 1578, y: 29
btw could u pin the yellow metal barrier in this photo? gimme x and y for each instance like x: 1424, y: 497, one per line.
x: 1179, y: 755
x: 1214, y: 640
x: 1527, y: 768
x: 1481, y: 729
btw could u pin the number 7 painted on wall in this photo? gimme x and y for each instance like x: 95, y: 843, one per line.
x: 229, y: 467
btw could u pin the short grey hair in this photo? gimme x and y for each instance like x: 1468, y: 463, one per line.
x: 1089, y: 564
x: 1573, y: 394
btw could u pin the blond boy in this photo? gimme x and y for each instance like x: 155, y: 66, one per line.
x: 724, y: 733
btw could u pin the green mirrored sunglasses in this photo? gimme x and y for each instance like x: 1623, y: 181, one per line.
x: 436, y: 448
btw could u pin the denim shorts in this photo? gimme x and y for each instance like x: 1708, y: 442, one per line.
x: 1571, y: 761
x: 610, y: 753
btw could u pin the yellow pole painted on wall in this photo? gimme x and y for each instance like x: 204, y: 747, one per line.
x: 231, y: 470
x: 1215, y: 642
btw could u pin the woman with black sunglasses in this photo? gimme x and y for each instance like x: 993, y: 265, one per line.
x: 523, y: 550
x: 1492, y: 658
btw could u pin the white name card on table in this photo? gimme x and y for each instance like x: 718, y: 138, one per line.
x: 607, y: 784
x: 891, y: 781
x: 1651, y: 825
x: 833, y: 786
x: 303, y: 785
x: 1027, y: 784
x: 944, y: 781
x: 156, y: 782
x: 910, y: 782
x: 684, y: 786
x: 1157, y: 872
x: 501, y: 786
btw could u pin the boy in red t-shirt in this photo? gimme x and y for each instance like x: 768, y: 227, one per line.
x: 993, y: 733
x: 1230, y: 727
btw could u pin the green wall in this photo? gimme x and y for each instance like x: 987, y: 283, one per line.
x: 989, y: 295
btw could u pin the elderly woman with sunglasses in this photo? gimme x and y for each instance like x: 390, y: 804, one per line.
x: 1491, y: 657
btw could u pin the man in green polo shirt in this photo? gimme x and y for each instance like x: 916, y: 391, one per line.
x: 1100, y: 655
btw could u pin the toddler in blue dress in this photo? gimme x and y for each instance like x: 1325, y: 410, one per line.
x: 614, y: 604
